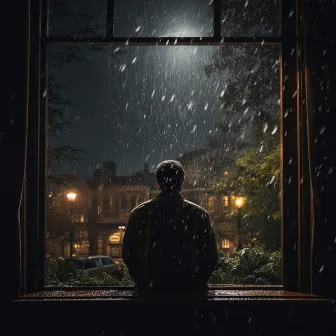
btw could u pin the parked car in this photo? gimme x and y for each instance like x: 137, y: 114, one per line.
x: 97, y: 265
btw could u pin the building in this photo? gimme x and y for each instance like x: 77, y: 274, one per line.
x: 95, y: 221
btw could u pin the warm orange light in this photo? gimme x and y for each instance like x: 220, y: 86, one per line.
x: 226, y: 173
x: 71, y: 196
x: 239, y: 202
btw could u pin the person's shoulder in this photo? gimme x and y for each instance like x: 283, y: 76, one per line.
x: 195, y: 207
x: 141, y: 207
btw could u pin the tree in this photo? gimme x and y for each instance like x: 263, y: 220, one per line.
x: 64, y: 14
x: 249, y: 132
x: 257, y: 177
x: 250, y: 100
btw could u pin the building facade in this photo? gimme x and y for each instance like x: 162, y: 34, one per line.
x: 95, y: 221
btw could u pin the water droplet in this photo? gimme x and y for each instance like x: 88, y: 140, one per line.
x: 323, y: 128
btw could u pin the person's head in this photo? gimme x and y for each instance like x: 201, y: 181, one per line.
x: 170, y: 175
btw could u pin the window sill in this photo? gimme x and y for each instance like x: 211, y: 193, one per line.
x: 250, y: 309
x: 224, y: 293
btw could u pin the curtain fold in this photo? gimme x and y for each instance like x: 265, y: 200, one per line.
x: 13, y: 135
x: 320, y: 112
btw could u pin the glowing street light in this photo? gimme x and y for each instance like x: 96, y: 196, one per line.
x: 239, y: 204
x: 122, y: 229
x: 71, y: 196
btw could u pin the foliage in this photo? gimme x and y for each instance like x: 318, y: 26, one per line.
x: 58, y: 221
x: 252, y: 266
x: 250, y: 96
x: 256, y: 176
x: 60, y: 273
x: 248, y: 266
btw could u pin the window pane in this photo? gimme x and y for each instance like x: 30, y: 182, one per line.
x: 114, y: 114
x: 104, y: 261
x: 250, y: 17
x: 73, y: 18
x: 158, y: 18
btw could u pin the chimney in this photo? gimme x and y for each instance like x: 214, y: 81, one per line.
x: 110, y: 169
x: 146, y: 169
x: 98, y: 174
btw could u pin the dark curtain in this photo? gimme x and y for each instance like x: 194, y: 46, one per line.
x: 318, y: 49
x: 13, y: 126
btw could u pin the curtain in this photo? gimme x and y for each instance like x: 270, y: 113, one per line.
x: 13, y: 126
x: 319, y: 97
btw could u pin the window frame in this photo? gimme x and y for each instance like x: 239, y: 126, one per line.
x: 33, y: 232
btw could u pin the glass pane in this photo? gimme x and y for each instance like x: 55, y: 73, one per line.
x: 250, y: 17
x: 73, y: 18
x: 114, y: 114
x: 158, y: 18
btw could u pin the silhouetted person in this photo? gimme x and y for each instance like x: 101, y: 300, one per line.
x: 169, y: 244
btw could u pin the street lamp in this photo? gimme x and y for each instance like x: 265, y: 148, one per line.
x: 239, y: 204
x: 71, y: 196
x: 122, y: 229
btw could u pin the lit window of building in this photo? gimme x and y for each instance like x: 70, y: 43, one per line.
x: 225, y: 201
x: 211, y: 204
x: 225, y: 243
x: 123, y: 202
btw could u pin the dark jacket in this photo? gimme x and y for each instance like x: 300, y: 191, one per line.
x: 169, y: 245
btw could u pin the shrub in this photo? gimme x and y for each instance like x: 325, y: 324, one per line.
x: 253, y: 266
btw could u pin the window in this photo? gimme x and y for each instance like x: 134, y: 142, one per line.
x: 225, y: 201
x: 236, y: 70
x: 132, y: 202
x: 141, y: 198
x: 39, y: 309
x: 122, y: 202
x: 228, y: 119
x: 225, y: 243
x: 106, y: 204
x: 107, y: 261
x: 94, y: 262
x: 211, y: 204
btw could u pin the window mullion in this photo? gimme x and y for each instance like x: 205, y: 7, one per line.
x: 290, y: 130
x: 110, y: 19
x: 217, y: 18
x: 145, y: 41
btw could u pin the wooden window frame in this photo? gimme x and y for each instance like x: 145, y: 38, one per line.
x: 294, y: 230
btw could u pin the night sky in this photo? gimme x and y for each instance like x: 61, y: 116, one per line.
x: 150, y: 104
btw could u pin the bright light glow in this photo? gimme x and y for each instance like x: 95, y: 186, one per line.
x: 71, y: 196
x: 183, y: 32
x: 239, y: 202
